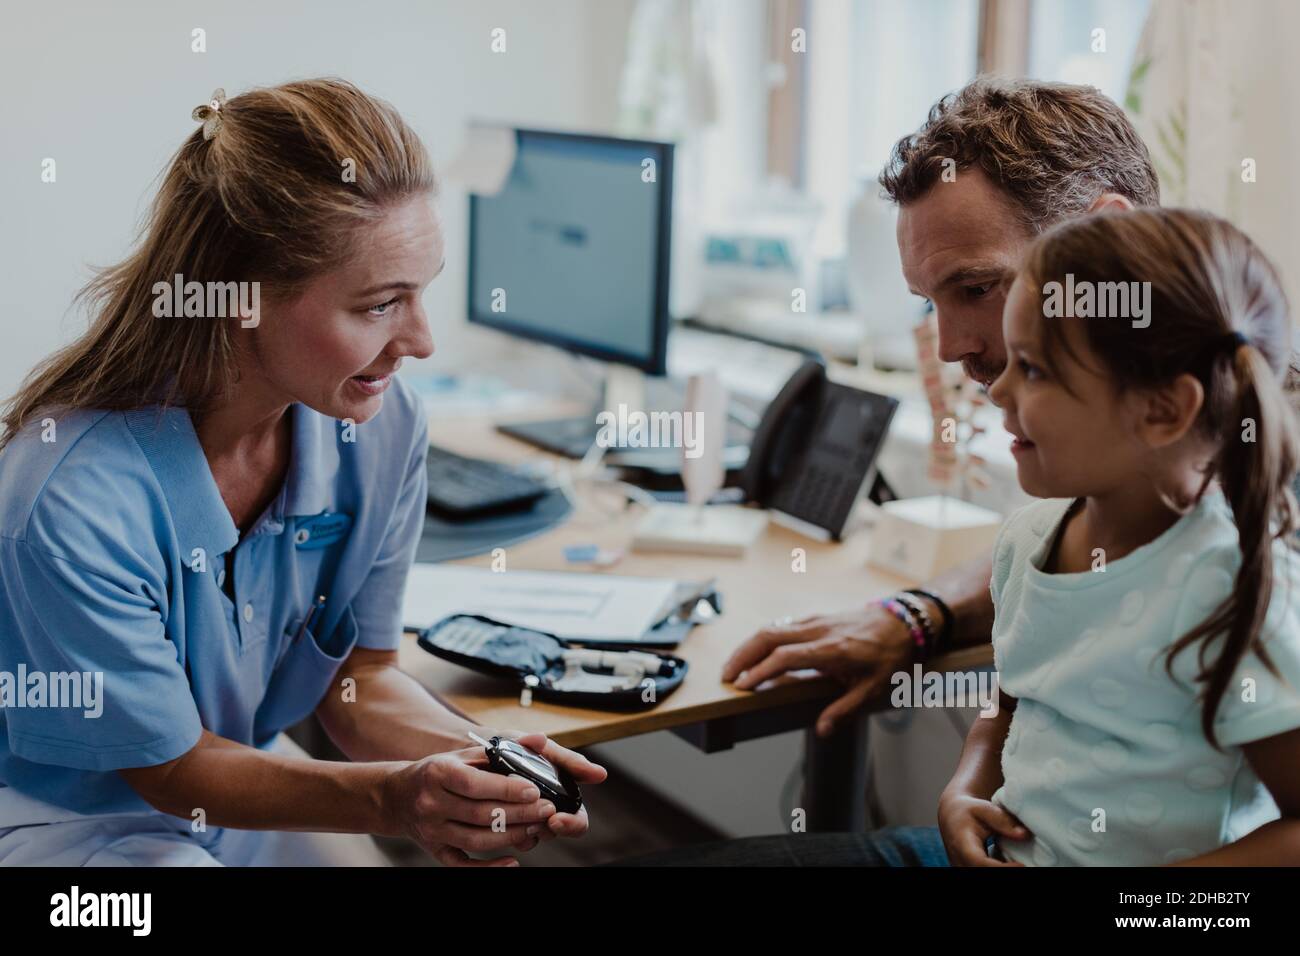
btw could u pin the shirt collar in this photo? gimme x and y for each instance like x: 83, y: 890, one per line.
x: 313, y: 464
x: 199, y: 515
x: 171, y: 446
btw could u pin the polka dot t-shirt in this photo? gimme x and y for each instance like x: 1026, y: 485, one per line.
x: 1105, y: 761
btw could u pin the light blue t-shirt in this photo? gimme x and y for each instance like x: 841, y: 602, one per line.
x: 112, y: 542
x: 1105, y: 761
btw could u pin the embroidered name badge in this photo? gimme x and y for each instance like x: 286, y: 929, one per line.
x: 321, y: 531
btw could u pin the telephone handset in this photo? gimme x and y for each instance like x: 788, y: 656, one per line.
x: 815, y: 450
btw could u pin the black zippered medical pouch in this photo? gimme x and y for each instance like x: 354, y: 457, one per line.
x: 520, y: 653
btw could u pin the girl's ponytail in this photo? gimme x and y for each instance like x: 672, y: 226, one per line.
x: 1256, y: 465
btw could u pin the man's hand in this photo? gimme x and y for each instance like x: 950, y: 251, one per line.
x: 860, y: 649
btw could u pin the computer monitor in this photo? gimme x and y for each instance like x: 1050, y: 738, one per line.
x: 574, y: 249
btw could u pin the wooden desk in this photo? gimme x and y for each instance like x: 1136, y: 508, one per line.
x: 755, y: 589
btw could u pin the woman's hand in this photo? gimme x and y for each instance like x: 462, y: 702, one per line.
x: 452, y: 805
x: 966, y: 823
x: 583, y: 770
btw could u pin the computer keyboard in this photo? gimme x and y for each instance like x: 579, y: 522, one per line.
x: 461, y: 487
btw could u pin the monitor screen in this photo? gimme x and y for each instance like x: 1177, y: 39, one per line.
x: 573, y: 251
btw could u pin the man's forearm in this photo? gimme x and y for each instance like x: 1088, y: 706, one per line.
x: 965, y: 589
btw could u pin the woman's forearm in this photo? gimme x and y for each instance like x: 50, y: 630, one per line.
x: 239, y: 786
x: 388, y: 715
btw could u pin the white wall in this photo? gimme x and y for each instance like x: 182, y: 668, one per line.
x: 106, y: 89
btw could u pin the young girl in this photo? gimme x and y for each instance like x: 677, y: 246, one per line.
x: 1147, y: 636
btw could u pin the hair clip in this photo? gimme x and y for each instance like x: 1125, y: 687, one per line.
x: 209, y: 114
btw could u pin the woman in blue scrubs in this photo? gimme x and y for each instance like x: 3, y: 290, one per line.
x: 225, y: 446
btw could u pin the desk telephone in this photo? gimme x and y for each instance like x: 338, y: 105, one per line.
x: 814, y: 452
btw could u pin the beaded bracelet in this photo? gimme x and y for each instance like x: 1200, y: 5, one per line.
x: 922, y: 617
x: 945, y: 614
x: 904, y: 614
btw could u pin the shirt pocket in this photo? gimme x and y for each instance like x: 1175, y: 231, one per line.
x: 303, y: 674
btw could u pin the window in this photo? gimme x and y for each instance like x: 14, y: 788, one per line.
x: 870, y: 70
x: 1086, y: 41
x: 874, y: 69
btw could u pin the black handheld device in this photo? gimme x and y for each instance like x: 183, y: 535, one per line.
x: 505, y: 757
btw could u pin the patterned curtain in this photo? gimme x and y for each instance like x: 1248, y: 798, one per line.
x: 1214, y: 93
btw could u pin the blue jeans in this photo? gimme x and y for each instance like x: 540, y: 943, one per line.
x: 892, y: 846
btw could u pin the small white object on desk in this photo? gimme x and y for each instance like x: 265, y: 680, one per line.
x: 921, y: 537
x: 703, y: 472
x: 695, y: 527
x: 725, y: 530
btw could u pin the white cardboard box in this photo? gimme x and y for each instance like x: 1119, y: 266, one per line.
x: 724, y: 530
x: 921, y: 537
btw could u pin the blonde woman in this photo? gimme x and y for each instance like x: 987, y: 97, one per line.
x: 211, y: 502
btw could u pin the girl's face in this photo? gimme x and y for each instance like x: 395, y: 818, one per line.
x: 336, y: 346
x: 1066, y: 445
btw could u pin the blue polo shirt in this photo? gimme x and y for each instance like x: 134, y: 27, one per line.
x: 113, y: 538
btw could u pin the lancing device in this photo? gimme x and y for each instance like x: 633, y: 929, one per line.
x: 617, y: 660
x: 505, y: 757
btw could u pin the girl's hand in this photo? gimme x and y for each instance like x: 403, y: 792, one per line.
x: 452, y: 805
x: 966, y: 823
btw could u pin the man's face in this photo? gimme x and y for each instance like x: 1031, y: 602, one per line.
x: 960, y: 243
